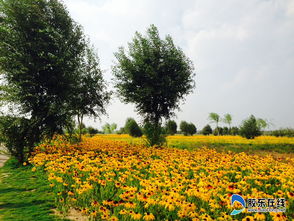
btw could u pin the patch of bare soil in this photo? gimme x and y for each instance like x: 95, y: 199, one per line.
x: 72, y: 214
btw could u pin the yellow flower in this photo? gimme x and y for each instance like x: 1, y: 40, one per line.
x: 148, y: 216
x: 248, y: 218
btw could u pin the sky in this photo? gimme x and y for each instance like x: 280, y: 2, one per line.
x: 243, y: 53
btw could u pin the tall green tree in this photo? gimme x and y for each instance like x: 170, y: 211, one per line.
x: 90, y: 95
x: 155, y: 75
x: 43, y: 54
x: 214, y: 117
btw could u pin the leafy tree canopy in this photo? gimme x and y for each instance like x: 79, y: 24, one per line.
x: 153, y: 74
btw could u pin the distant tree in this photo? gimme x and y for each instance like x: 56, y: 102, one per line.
x: 155, y: 75
x: 192, y: 129
x: 207, y: 130
x: 226, y: 131
x: 234, y: 131
x: 227, y: 119
x: 214, y: 117
x: 106, y: 128
x: 92, y: 131
x: 171, y: 127
x: 218, y: 131
x: 132, y: 128
x: 121, y: 131
x: 184, y: 127
x: 90, y: 96
x: 188, y: 128
x: 262, y: 123
x: 249, y: 128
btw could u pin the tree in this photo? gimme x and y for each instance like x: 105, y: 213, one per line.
x: 171, y: 127
x: 249, y: 128
x: 234, y: 131
x: 192, y: 129
x: 155, y: 75
x: 90, y: 95
x: 187, y: 128
x: 184, y: 127
x: 218, y: 131
x: 262, y: 124
x: 227, y: 119
x: 132, y: 128
x: 109, y: 128
x: 207, y: 130
x: 41, y: 48
x: 214, y: 117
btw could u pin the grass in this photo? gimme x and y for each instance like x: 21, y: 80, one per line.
x: 25, y: 195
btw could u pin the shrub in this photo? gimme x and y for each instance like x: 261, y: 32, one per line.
x: 154, y: 134
x: 207, y: 130
x: 132, y: 128
x: 92, y: 131
x: 171, y: 127
x: 17, y: 136
x: 249, y: 128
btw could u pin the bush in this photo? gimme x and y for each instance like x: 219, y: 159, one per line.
x: 249, y: 128
x: 171, y: 127
x: 18, y: 136
x: 132, y: 128
x: 226, y: 131
x: 207, y: 130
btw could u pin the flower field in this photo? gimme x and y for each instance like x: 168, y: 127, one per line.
x: 114, y: 180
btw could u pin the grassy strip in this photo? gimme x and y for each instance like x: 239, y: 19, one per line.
x: 238, y: 148
x: 25, y: 195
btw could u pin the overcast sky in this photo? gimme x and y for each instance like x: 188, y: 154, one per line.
x: 243, y: 52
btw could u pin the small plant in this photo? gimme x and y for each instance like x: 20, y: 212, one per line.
x: 250, y: 128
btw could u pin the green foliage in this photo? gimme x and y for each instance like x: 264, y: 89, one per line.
x: 92, y: 131
x: 214, y: 117
x: 39, y: 56
x: 207, y: 130
x: 283, y: 132
x: 155, y: 75
x: 132, y: 128
x: 17, y: 136
x: 262, y: 123
x: 227, y: 119
x: 249, y: 128
x: 234, y: 131
x: 188, y: 128
x: 171, y: 127
x: 226, y: 131
x: 25, y: 195
x: 218, y: 131
x: 109, y: 128
x: 154, y: 134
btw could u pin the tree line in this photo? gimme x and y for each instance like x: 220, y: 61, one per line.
x: 51, y: 77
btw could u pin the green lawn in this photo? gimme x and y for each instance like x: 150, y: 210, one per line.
x: 24, y: 195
